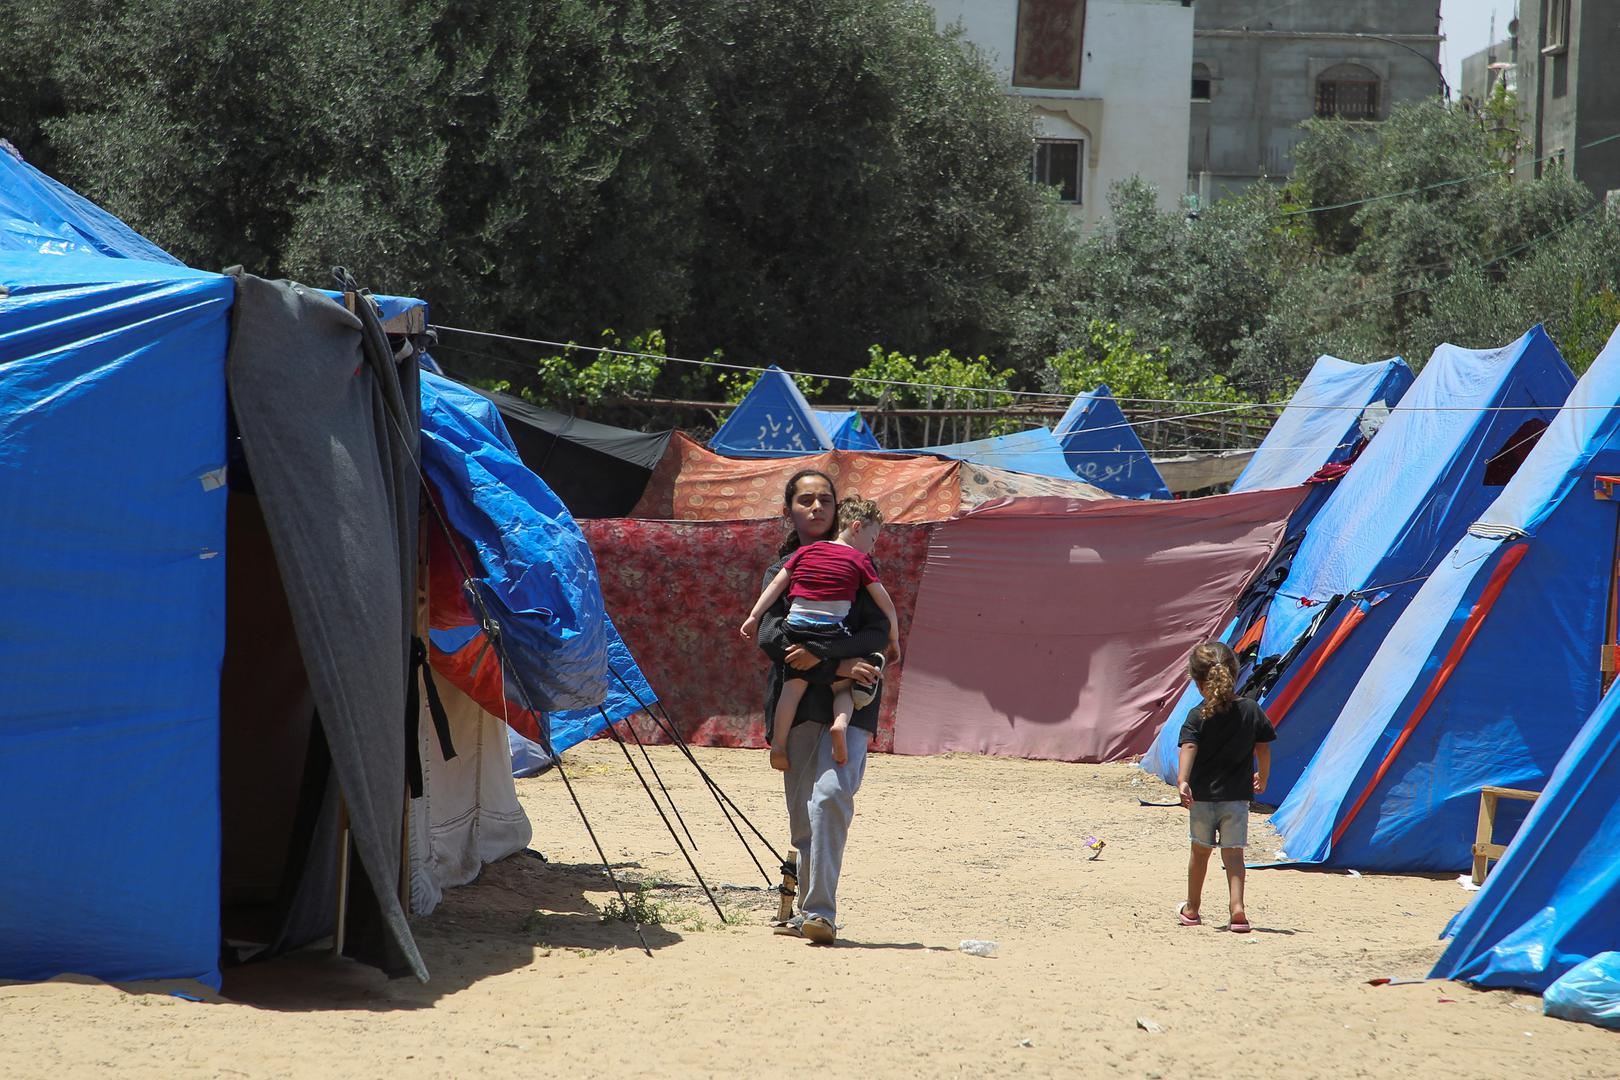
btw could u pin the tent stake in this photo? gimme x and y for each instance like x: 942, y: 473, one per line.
x: 341, y: 927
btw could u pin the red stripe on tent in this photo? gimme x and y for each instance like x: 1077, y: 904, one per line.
x: 1253, y: 635
x: 1476, y: 618
x: 1279, y: 706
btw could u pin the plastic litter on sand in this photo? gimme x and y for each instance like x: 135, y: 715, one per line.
x: 975, y: 947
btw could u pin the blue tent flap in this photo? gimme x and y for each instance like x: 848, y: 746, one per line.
x: 1102, y: 448
x: 1554, y: 899
x: 534, y: 568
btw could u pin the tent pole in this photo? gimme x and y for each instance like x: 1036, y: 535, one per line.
x: 341, y: 925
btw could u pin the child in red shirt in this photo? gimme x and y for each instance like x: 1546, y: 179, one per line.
x: 821, y: 581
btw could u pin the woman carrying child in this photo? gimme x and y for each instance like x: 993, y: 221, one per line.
x: 820, y: 792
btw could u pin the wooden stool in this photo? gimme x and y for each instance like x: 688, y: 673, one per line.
x: 1485, y: 847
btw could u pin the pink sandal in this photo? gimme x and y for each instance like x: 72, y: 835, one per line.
x: 1185, y: 919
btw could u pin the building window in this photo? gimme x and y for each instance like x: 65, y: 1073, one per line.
x: 1057, y: 164
x: 1557, y: 25
x: 1201, y: 82
x: 1348, y: 91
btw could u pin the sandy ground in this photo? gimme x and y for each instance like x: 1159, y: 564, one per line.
x: 527, y: 980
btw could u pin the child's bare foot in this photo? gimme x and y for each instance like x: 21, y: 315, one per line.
x: 779, y: 758
x: 840, y: 747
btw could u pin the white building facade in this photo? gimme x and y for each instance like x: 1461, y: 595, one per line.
x: 1107, y: 81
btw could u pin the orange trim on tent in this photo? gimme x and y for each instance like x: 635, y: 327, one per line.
x: 1252, y: 636
x: 1296, y: 686
x: 1465, y: 638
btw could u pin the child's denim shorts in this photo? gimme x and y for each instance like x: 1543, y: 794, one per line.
x: 1220, y: 824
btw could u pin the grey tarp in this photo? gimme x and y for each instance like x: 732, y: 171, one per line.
x: 330, y: 424
x: 598, y: 471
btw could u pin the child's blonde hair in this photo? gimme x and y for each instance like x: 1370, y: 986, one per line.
x: 855, y: 509
x: 1214, y: 667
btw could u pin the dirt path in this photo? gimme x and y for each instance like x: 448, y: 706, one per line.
x: 528, y: 981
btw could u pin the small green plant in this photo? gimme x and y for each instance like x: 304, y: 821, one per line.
x: 636, y: 906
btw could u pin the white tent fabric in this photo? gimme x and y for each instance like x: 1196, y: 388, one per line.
x: 469, y: 814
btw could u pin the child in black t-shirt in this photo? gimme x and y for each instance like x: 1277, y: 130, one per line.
x: 1225, y: 760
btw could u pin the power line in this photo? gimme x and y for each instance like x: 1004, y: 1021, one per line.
x: 1443, y: 183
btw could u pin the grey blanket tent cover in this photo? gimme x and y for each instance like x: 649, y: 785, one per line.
x: 330, y: 424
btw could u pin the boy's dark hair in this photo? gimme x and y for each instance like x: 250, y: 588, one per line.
x: 855, y: 509
x: 1214, y: 667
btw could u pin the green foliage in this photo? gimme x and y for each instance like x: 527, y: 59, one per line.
x: 1110, y: 356
x: 941, y: 381
x: 592, y: 376
x: 781, y: 179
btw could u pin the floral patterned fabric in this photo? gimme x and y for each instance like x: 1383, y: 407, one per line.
x: 679, y: 590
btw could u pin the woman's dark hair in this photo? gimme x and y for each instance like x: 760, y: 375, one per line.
x: 791, y: 544
x: 1214, y: 667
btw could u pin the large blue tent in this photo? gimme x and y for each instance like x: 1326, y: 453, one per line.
x: 1554, y: 899
x: 131, y: 510
x: 1439, y: 460
x: 1102, y: 448
x: 775, y: 420
x: 1328, y: 420
x: 1491, y: 670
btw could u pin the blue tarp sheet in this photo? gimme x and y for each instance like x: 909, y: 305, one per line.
x: 1554, y: 899
x: 541, y: 574
x: 1514, y: 699
x: 1102, y: 448
x: 39, y: 216
x: 112, y: 446
x: 1034, y: 451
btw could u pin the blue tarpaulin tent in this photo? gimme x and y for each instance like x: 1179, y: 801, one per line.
x: 1035, y: 451
x: 1554, y: 899
x: 1491, y: 670
x: 774, y: 420
x: 1102, y: 448
x: 112, y: 441
x: 1321, y: 426
x: 116, y: 472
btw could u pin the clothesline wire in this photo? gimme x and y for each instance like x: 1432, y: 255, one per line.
x: 1224, y: 406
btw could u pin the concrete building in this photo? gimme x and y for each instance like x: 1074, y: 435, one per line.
x: 1569, y: 90
x: 1261, y: 68
x: 1106, y: 80
x: 1484, y: 71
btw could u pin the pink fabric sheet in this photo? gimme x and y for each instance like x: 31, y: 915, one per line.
x: 1050, y: 628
